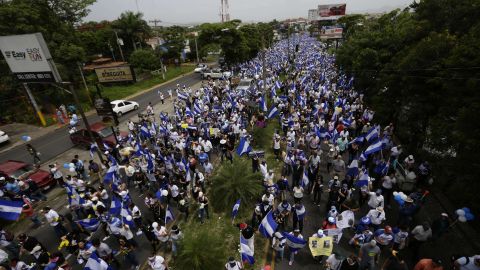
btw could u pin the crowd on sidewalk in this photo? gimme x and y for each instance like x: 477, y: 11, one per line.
x: 331, y: 150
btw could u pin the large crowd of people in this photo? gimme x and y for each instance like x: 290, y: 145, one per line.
x: 332, y: 154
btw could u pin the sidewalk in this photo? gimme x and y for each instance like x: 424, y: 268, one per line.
x: 16, y: 130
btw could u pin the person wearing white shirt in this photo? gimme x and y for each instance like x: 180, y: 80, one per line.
x: 161, y: 234
x: 377, y: 216
x: 157, y: 262
x: 207, y: 146
x: 387, y: 187
x: 376, y: 199
x: 55, y: 221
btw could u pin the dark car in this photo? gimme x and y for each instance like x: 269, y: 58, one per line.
x: 101, y: 133
x: 14, y: 169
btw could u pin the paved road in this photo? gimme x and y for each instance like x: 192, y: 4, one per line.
x: 57, y: 142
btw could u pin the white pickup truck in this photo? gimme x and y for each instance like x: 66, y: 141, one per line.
x: 216, y: 74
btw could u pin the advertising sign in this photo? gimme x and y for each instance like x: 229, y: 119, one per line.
x: 115, y: 74
x: 331, y: 12
x: 28, y: 58
x: 331, y: 32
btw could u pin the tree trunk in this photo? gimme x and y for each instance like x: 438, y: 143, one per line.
x: 134, y: 45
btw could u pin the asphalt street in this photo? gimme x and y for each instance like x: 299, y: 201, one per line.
x: 58, y: 141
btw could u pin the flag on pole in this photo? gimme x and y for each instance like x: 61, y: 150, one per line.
x: 373, y: 148
x: 372, y: 134
x: 353, y: 168
x: 115, y: 206
x: 305, y: 179
x: 293, y: 242
x: 10, y: 210
x: 244, y: 146
x: 363, y: 180
x: 96, y: 263
x: 182, y: 96
x: 145, y: 132
x: 263, y: 104
x: 89, y: 224
x: 169, y: 215
x: 273, y: 112
x: 245, y: 251
x: 268, y: 225
x: 236, y: 206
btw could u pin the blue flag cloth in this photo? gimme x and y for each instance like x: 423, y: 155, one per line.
x: 244, y: 146
x: 115, y: 206
x: 373, y: 148
x: 96, y: 263
x: 246, y: 252
x: 236, y: 206
x: 169, y: 215
x: 273, y: 112
x: 363, y: 180
x: 89, y: 224
x: 293, y: 242
x: 268, y: 225
x: 10, y: 210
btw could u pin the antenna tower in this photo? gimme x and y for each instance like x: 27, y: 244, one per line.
x: 224, y: 13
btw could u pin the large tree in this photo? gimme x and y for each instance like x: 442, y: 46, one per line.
x: 132, y: 28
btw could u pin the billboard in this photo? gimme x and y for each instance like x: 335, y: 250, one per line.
x: 28, y: 58
x: 331, y: 12
x: 115, y: 74
x: 331, y: 32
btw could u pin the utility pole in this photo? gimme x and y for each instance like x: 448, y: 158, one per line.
x: 85, y: 83
x: 155, y: 22
x: 119, y: 46
x: 34, y: 104
x: 196, y: 48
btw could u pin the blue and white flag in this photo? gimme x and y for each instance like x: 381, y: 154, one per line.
x: 110, y: 175
x: 373, y: 148
x: 236, y: 206
x: 145, y: 132
x: 293, y: 242
x: 182, y: 95
x: 150, y: 164
x: 244, y: 146
x: 74, y: 198
x: 363, y: 180
x: 245, y: 251
x: 169, y: 215
x: 10, y: 210
x: 96, y: 263
x: 115, y: 206
x: 89, y: 224
x: 323, y: 133
x: 278, y: 84
x: 357, y: 140
x: 125, y: 213
x: 305, y: 179
x: 263, y: 104
x: 272, y: 113
x: 372, y: 134
x: 268, y: 225
x: 353, y: 168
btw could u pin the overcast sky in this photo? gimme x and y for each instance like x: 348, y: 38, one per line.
x: 195, y: 11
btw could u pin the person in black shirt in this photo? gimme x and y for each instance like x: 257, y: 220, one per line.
x: 317, y: 190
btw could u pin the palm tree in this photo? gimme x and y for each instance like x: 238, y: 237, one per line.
x: 235, y: 181
x: 132, y: 27
x: 204, y: 247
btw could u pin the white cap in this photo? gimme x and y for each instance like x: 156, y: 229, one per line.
x: 200, y: 194
x: 2, y: 178
x: 331, y: 219
x: 410, y: 157
x: 155, y: 225
x: 320, y: 232
x: 21, y: 183
x: 123, y: 193
x: 106, y: 152
x: 129, y: 218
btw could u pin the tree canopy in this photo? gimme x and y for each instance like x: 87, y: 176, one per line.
x: 419, y: 69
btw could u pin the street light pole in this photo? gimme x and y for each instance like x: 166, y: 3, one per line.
x: 196, y: 50
x: 85, y: 121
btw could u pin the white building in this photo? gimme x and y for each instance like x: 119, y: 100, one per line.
x: 312, y: 15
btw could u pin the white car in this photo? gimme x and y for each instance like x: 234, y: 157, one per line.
x: 123, y: 106
x: 3, y: 137
x: 200, y: 68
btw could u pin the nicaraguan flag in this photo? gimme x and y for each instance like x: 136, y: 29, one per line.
x: 305, y: 179
x: 236, y: 206
x: 182, y: 95
x: 293, y: 242
x: 357, y: 140
x: 353, y: 168
x: 244, y: 146
x: 169, y: 215
x: 124, y: 213
x: 188, y: 112
x: 150, y: 165
x: 110, y: 175
x: 268, y: 225
x: 145, y: 132
x: 89, y: 224
x: 373, y: 148
x: 197, y: 109
x: 278, y: 84
x: 362, y: 157
x: 115, y: 206
x: 263, y: 104
x: 273, y: 112
x: 246, y: 252
x: 96, y: 263
x: 363, y: 181
x: 323, y: 133
x: 372, y: 134
x: 74, y: 198
x: 10, y: 210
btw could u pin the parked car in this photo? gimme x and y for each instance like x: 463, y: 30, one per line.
x: 102, y: 134
x: 123, y: 106
x: 14, y: 169
x: 216, y: 74
x: 200, y: 68
x: 244, y: 84
x: 3, y: 137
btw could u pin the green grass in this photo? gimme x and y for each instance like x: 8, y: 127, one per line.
x: 122, y: 91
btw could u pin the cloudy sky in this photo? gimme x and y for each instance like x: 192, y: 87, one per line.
x: 194, y: 11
